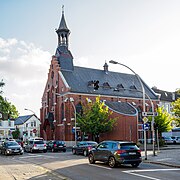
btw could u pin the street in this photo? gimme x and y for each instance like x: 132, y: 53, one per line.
x: 60, y: 165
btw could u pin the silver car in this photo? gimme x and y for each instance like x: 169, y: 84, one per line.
x: 35, y: 146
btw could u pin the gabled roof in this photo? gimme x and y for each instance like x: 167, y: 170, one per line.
x: 165, y: 95
x: 122, y: 108
x: 22, y: 119
x: 79, y: 78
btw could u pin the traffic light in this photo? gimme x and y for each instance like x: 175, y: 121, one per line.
x: 96, y: 85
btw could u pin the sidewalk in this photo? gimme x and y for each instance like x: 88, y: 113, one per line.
x: 168, y: 155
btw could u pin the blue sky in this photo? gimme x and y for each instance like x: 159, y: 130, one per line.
x: 142, y: 34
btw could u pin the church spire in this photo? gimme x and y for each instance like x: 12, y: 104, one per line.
x: 63, y: 31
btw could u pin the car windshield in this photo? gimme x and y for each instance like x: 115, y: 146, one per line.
x: 128, y: 146
x: 38, y: 142
x: 12, y: 143
x: 59, y: 142
x: 92, y: 143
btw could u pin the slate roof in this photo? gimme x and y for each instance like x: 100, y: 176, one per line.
x: 63, y: 25
x: 79, y: 79
x: 165, y: 95
x: 122, y: 108
x: 22, y: 119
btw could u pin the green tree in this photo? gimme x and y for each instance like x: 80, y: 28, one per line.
x: 95, y: 119
x: 16, y: 134
x: 163, y: 120
x: 8, y: 109
x: 176, y: 110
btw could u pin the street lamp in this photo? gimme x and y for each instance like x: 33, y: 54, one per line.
x: 143, y: 92
x: 75, y: 118
x: 75, y: 132
x: 29, y: 110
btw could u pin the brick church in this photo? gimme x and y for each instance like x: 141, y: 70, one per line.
x: 68, y: 86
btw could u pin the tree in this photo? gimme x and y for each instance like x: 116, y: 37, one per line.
x: 176, y: 110
x: 16, y: 134
x: 95, y: 119
x: 163, y: 120
x: 7, y: 109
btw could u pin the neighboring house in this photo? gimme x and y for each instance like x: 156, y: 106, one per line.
x: 69, y: 86
x: 6, y: 127
x: 28, y: 125
x: 165, y: 100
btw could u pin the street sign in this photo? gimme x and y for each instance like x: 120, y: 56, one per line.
x: 149, y: 114
x: 146, y: 126
x: 145, y: 119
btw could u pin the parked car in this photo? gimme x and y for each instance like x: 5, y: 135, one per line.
x: 84, y: 147
x: 56, y: 145
x: 11, y: 147
x: 168, y: 140
x: 176, y: 139
x: 116, y: 152
x: 35, y: 146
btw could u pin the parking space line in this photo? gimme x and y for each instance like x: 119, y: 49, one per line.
x: 100, y: 166
x: 133, y: 172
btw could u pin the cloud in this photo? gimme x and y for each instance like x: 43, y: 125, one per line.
x: 24, y: 68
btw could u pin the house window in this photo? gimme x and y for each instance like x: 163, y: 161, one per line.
x: 0, y: 122
x: 62, y: 112
x: 26, y: 124
x: 34, y: 123
x: 79, y: 109
x: 139, y: 114
x: 9, y: 123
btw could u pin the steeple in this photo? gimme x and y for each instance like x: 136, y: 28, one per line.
x: 63, y: 31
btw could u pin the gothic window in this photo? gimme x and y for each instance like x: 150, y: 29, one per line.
x: 79, y: 109
x: 62, y: 112
x: 139, y: 114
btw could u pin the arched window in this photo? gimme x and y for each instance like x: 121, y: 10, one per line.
x: 139, y: 114
x: 79, y: 109
x: 62, y: 112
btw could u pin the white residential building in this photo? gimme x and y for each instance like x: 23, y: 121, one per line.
x: 28, y: 125
x: 6, y: 127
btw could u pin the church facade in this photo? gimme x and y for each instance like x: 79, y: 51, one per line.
x: 68, y: 87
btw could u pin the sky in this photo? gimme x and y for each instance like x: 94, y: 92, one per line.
x: 142, y: 34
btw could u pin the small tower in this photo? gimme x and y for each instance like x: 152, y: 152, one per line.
x: 106, y: 68
x: 63, y: 31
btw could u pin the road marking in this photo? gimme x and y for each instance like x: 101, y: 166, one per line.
x: 133, y: 172
x: 31, y: 156
x: 100, y: 166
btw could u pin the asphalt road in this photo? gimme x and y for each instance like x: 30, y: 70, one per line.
x: 76, y: 167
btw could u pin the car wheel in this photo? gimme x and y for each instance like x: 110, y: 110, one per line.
x: 21, y: 153
x: 91, y: 159
x: 135, y: 164
x: 5, y: 152
x: 31, y: 150
x: 44, y: 151
x: 64, y: 150
x: 85, y: 153
x: 74, y: 151
x: 111, y: 162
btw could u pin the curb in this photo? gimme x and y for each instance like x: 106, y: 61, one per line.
x: 162, y: 163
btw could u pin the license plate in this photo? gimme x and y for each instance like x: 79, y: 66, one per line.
x: 132, y: 153
x: 16, y: 151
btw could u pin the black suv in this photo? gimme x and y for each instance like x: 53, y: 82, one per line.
x: 56, y: 145
x: 116, y: 152
x: 83, y: 147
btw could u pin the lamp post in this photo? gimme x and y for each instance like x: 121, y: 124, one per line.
x: 143, y: 92
x: 75, y: 132
x: 29, y: 110
x: 75, y: 118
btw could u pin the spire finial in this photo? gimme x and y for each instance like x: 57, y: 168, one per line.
x: 62, y: 9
